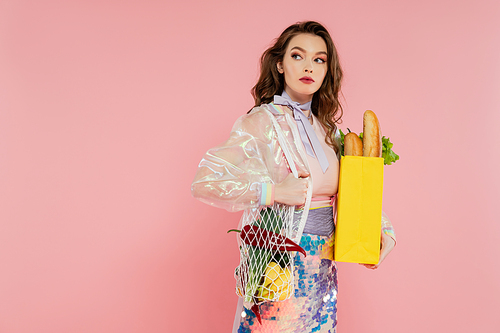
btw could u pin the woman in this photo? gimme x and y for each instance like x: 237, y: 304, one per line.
x: 299, y: 84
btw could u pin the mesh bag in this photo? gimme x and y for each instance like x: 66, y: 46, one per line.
x: 267, y: 249
x: 265, y: 272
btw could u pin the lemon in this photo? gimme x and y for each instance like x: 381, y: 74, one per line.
x: 282, y: 284
x: 273, y: 270
x: 264, y: 294
x: 276, y: 282
x: 277, y: 285
x: 282, y: 281
x: 287, y: 291
x: 288, y: 274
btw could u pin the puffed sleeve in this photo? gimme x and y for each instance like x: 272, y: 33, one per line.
x: 235, y: 175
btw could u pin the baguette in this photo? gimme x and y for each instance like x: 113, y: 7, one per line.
x: 353, y: 146
x: 372, y: 138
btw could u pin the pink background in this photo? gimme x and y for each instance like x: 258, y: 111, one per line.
x: 106, y: 108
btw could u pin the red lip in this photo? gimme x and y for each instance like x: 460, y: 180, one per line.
x: 306, y: 79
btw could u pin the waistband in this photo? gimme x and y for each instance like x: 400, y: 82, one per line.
x: 319, y: 221
x: 325, y: 200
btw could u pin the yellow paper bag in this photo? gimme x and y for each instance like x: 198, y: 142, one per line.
x: 359, y: 209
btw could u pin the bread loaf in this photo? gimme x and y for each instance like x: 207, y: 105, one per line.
x: 372, y: 138
x: 353, y: 146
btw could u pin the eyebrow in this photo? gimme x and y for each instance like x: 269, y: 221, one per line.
x: 301, y: 49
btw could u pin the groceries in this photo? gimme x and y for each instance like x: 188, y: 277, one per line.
x: 359, y: 198
x: 277, y: 283
x: 373, y: 143
x: 265, y: 273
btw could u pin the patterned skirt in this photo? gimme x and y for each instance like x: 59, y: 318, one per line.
x: 312, y: 307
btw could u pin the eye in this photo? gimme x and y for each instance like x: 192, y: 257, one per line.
x: 296, y: 56
x: 320, y: 60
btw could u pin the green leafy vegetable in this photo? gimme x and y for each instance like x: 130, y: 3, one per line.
x: 388, y: 154
x: 342, y: 135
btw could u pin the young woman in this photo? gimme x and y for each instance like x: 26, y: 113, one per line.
x: 299, y: 84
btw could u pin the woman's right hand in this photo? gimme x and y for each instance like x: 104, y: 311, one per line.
x: 292, y: 191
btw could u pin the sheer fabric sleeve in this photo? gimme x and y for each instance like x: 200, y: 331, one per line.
x: 235, y: 175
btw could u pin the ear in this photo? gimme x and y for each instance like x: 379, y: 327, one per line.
x: 279, y: 65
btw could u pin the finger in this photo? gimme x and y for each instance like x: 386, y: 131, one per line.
x: 303, y: 174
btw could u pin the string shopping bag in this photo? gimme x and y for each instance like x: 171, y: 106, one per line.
x: 268, y: 243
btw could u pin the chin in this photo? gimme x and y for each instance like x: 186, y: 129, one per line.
x: 308, y: 92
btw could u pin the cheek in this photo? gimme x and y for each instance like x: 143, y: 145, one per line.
x: 322, y: 73
x: 291, y: 69
x: 290, y: 74
x: 322, y: 70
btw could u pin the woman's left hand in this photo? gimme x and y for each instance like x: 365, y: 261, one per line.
x: 387, y: 245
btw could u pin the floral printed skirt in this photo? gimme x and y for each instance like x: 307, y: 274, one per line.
x: 312, y: 307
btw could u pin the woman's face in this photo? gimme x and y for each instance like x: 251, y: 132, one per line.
x: 304, y: 66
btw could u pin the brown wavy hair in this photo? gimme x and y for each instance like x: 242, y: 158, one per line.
x: 325, y: 103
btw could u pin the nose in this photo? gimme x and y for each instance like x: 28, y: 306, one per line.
x: 308, y: 68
